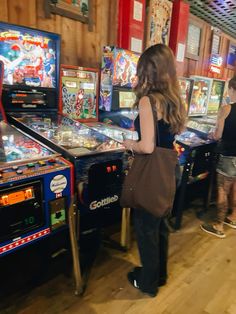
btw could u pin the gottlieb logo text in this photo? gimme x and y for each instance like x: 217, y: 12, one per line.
x: 105, y: 201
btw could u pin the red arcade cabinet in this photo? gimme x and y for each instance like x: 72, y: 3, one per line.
x: 179, y: 25
x: 179, y: 31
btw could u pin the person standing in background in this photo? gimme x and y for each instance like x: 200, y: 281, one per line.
x: 156, y: 78
x: 226, y: 166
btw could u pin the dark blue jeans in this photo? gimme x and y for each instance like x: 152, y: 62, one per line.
x: 152, y: 237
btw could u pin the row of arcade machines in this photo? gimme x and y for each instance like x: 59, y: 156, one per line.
x: 76, y: 129
x: 95, y: 162
x: 203, y: 97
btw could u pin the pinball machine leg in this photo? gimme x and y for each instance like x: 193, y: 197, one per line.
x: 212, y: 178
x: 125, y: 228
x: 79, y: 287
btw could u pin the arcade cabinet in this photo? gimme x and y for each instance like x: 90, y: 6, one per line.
x: 79, y: 95
x: 196, y: 151
x: 214, y: 102
x: 116, y: 100
x: 36, y: 189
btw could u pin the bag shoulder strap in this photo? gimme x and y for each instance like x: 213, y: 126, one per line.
x: 155, y: 118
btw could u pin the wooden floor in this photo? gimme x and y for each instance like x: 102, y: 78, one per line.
x: 202, y: 279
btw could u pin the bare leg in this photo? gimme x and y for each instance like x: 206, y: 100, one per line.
x: 232, y: 216
x: 223, y: 189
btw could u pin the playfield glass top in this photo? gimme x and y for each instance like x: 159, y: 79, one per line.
x: 75, y: 137
x: 114, y: 132
x: 16, y: 146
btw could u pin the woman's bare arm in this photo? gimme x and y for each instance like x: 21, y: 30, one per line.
x: 147, y: 143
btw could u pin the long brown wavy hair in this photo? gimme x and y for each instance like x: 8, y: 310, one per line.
x: 156, y: 74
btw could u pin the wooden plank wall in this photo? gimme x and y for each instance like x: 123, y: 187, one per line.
x: 79, y: 46
x: 83, y: 48
x: 201, y: 67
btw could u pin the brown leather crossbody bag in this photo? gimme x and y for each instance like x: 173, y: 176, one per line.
x: 150, y: 183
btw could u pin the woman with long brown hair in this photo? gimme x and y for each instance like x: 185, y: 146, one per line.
x: 156, y: 77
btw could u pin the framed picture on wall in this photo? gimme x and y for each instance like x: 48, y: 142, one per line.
x: 158, y: 22
x: 193, y: 41
x: 231, y: 58
x: 79, y: 10
x: 215, y: 44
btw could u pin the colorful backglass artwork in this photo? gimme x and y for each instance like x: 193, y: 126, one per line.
x: 79, y: 93
x: 216, y: 95
x: 185, y: 90
x: 29, y: 56
x: 125, y: 64
x: 158, y: 24
x: 118, y: 73
x: 200, y: 96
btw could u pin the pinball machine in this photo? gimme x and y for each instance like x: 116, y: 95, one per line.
x: 35, y: 189
x: 195, y: 149
x: 79, y: 100
x: 116, y: 100
x: 201, y: 161
x: 31, y: 104
x: 214, y: 103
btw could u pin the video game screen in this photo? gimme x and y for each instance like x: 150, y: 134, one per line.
x: 79, y: 93
x: 200, y: 95
x: 186, y: 90
x: 215, y: 96
x: 29, y: 56
x: 125, y: 64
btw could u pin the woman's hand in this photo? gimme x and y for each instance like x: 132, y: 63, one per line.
x: 129, y: 144
x: 210, y: 135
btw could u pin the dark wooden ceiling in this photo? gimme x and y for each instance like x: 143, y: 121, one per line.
x: 218, y: 13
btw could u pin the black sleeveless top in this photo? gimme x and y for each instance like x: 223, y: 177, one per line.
x: 166, y: 137
x: 227, y: 145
